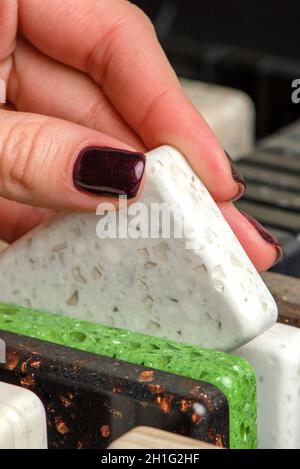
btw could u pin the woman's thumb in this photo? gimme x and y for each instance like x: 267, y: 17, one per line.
x: 52, y: 163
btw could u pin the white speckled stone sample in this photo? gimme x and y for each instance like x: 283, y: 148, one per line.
x: 275, y: 357
x: 229, y: 112
x: 210, y: 296
x: 22, y: 419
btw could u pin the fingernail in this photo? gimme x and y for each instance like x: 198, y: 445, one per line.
x: 237, y: 177
x: 109, y: 171
x: 268, y: 237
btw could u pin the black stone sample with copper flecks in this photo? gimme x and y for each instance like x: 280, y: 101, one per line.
x: 91, y: 400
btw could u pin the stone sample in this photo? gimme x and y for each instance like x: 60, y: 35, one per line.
x: 91, y: 400
x: 22, y: 419
x: 194, y: 284
x: 152, y: 438
x: 232, y: 375
x: 229, y: 112
x: 275, y: 357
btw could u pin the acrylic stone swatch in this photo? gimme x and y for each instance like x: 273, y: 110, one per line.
x: 232, y: 375
x: 209, y: 294
x: 22, y: 419
x: 275, y: 357
x: 91, y: 400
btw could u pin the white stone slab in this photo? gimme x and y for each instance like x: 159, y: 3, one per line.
x: 22, y: 419
x: 229, y: 112
x: 275, y: 357
x: 211, y: 295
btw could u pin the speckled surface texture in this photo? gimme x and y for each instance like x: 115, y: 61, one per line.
x: 91, y: 400
x: 275, y: 357
x: 202, y: 295
x: 232, y: 375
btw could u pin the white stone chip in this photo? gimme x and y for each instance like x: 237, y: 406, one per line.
x: 275, y: 357
x: 210, y: 295
x: 22, y: 419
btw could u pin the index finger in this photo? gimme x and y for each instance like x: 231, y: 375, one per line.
x: 115, y: 43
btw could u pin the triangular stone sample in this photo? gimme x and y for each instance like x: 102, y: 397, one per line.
x: 200, y: 289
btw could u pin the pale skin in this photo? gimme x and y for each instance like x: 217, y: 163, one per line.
x: 84, y: 73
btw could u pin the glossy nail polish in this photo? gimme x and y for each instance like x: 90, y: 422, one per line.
x: 237, y: 177
x: 268, y: 237
x: 109, y: 171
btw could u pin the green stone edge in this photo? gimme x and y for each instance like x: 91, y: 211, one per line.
x: 165, y: 355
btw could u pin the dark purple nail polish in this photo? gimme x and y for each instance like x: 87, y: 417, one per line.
x: 237, y: 177
x: 268, y: 237
x: 109, y: 171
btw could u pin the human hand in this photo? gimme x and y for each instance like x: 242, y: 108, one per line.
x: 91, y: 73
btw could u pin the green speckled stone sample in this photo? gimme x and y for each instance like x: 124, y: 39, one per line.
x: 232, y: 375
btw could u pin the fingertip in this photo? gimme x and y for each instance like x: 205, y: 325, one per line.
x: 263, y: 249
x: 175, y: 121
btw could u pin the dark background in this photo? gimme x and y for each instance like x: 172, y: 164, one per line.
x: 246, y: 44
x: 268, y: 26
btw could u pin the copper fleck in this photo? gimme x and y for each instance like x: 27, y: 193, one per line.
x: 117, y: 390
x: 146, y: 376
x: 155, y: 388
x: 36, y: 364
x: 219, y: 441
x: 12, y: 360
x: 196, y: 418
x: 61, y: 427
x: 105, y: 432
x: 27, y: 381
x: 164, y: 403
x: 185, y: 405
